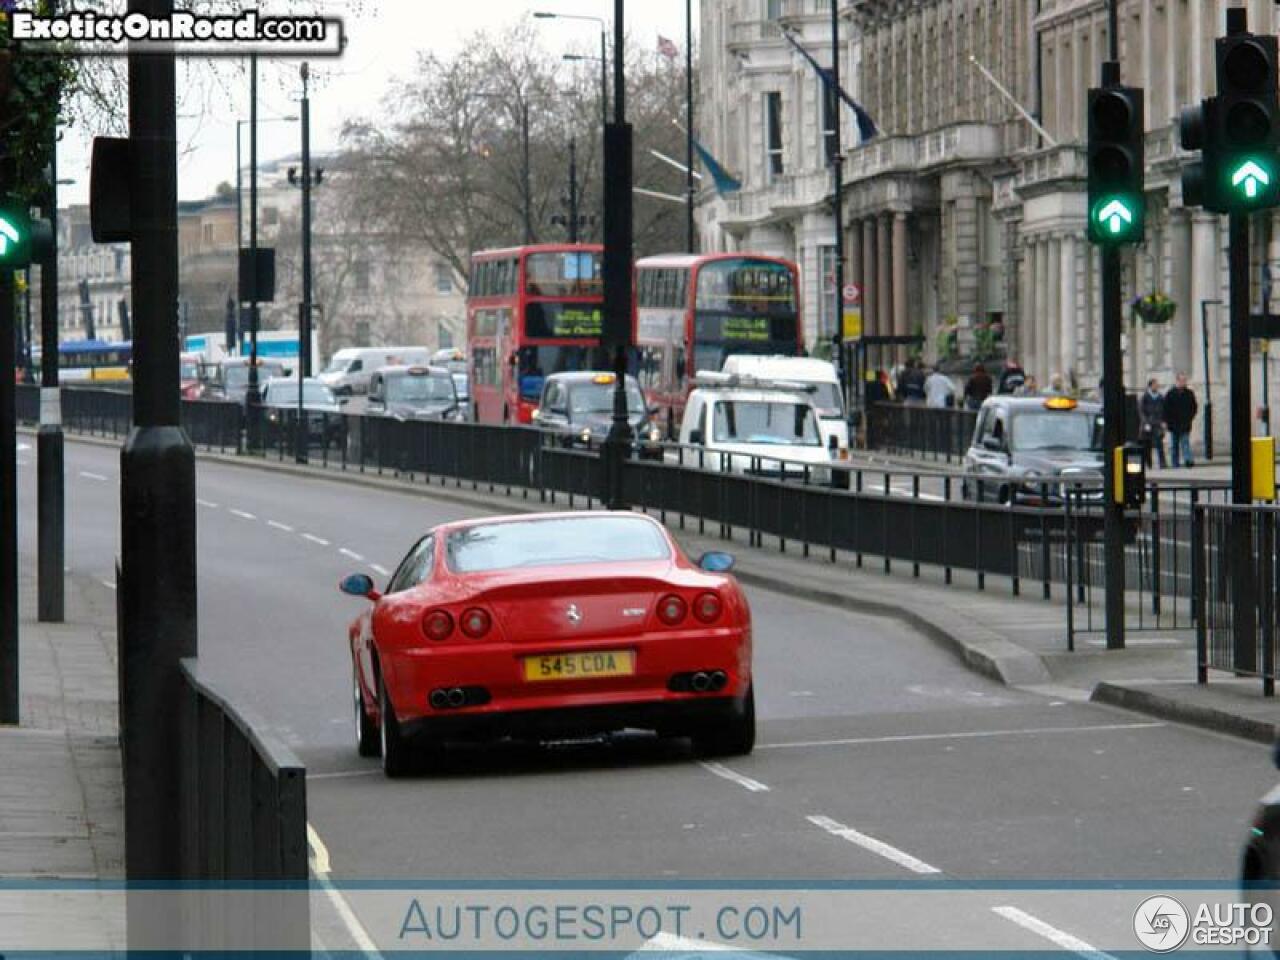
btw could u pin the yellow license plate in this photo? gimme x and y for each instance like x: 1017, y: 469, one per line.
x: 580, y: 666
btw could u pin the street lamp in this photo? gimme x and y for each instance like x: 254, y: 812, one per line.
x: 604, y: 54
x: 604, y: 79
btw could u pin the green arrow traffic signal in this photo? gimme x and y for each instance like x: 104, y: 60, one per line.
x: 1115, y: 216
x: 10, y: 237
x: 1251, y: 177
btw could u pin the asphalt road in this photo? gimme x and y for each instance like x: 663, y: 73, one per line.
x: 879, y: 754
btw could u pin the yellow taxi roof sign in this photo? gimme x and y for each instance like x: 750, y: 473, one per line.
x: 604, y: 378
x: 1060, y: 403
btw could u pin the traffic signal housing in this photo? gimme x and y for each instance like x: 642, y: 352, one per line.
x: 1117, y: 203
x: 1244, y: 125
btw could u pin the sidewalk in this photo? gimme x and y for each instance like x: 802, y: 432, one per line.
x: 61, y: 795
x: 1019, y: 641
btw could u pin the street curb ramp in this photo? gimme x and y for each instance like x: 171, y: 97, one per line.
x: 1166, y: 708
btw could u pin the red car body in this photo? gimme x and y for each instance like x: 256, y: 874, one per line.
x: 553, y: 650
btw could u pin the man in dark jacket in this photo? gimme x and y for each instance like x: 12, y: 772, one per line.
x: 1179, y: 411
x: 1151, y: 412
x: 1013, y: 378
x: 978, y: 388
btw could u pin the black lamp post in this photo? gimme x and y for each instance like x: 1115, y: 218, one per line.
x: 604, y: 53
x: 240, y: 216
x: 308, y: 180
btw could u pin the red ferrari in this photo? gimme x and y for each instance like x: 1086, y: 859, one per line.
x: 546, y: 627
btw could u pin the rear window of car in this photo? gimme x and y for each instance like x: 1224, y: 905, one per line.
x: 561, y: 540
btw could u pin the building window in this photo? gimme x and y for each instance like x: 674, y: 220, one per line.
x: 773, y: 133
x: 361, y: 277
x: 208, y: 234
x: 444, y: 278
x: 827, y: 291
x: 830, y: 117
x: 772, y: 9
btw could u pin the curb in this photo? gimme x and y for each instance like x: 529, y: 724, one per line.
x: 1206, y: 718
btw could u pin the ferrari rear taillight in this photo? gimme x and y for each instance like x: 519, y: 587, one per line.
x: 475, y: 623
x: 707, y: 607
x: 437, y: 625
x: 671, y: 610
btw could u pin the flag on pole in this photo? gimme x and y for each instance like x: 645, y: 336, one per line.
x: 725, y: 181
x: 667, y: 48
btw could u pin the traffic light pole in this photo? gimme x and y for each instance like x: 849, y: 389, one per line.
x: 9, y: 514
x: 1243, y: 589
x: 1114, y: 431
x: 50, y: 494
x: 837, y: 164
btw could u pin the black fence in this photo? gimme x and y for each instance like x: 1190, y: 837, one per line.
x: 933, y: 432
x: 244, y: 818
x: 1218, y: 573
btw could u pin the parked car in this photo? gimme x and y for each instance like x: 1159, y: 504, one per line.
x: 232, y: 379
x: 325, y: 422
x: 351, y: 368
x: 414, y: 393
x: 757, y: 427
x: 546, y: 627
x: 1260, y: 870
x: 1027, y: 449
x: 577, y: 408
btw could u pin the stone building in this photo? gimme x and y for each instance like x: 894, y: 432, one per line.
x: 962, y: 211
x: 93, y: 281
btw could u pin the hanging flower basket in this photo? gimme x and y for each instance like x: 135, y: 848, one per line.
x: 1154, y: 308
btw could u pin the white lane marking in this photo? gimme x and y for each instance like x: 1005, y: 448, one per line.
x: 967, y: 735
x: 1055, y: 936
x: 242, y: 514
x: 871, y: 844
x: 280, y: 526
x: 320, y: 866
x: 108, y: 584
x: 379, y: 569
x: 720, y: 770
x: 314, y: 539
x: 207, y: 503
x: 92, y: 476
x: 351, y: 555
x: 343, y: 774
x: 672, y: 943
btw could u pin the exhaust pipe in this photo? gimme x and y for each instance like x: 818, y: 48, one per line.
x: 700, y: 682
x: 718, y: 679
x: 457, y: 697
x: 439, y: 699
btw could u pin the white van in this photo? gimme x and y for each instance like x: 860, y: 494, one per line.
x: 349, y: 370
x: 821, y: 374
x: 755, y: 427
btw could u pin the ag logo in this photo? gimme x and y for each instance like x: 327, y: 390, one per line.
x: 1161, y: 924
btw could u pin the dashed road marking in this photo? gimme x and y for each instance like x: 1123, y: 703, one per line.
x: 109, y: 584
x: 88, y: 475
x: 276, y: 524
x: 207, y: 503
x: 673, y: 943
x: 351, y: 555
x: 321, y: 541
x: 379, y: 569
x: 965, y: 735
x: 720, y: 770
x: 321, y: 866
x: 242, y: 514
x: 1055, y: 936
x: 871, y: 844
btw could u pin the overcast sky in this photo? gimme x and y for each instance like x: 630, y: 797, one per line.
x: 384, y: 37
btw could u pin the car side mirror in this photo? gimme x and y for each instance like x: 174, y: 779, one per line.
x: 695, y: 437
x: 994, y: 444
x: 359, y: 585
x: 716, y: 561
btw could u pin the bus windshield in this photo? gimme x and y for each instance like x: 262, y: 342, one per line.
x: 569, y: 273
x: 747, y: 287
x: 535, y: 364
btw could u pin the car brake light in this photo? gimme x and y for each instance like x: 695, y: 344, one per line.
x: 671, y: 609
x: 707, y: 607
x: 437, y: 625
x: 475, y: 623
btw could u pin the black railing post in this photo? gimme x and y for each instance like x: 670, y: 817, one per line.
x: 1199, y: 588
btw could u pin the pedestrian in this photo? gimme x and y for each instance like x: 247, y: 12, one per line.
x: 1179, y: 412
x: 1151, y: 415
x: 939, y: 391
x: 1058, y: 386
x: 1013, y: 376
x: 1029, y: 388
x: 911, y: 383
x: 978, y: 388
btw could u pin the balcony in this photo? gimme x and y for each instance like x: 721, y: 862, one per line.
x: 750, y: 33
x: 792, y: 10
x: 960, y: 143
x: 1065, y: 162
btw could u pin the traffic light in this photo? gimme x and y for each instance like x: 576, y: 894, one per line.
x: 1245, y: 125
x: 1117, y: 205
x: 1199, y: 179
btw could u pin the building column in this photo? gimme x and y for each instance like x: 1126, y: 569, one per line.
x: 884, y: 302
x: 1034, y: 364
x: 1205, y: 286
x: 870, y: 291
x: 1026, y: 336
x: 900, y: 319
x: 1186, y: 322
x: 1053, y: 318
x: 1067, y: 313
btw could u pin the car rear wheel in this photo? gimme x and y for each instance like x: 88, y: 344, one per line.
x: 397, y: 758
x: 367, y: 742
x: 735, y: 736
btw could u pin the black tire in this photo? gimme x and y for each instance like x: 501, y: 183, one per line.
x: 397, y: 758
x: 367, y: 742
x: 735, y: 736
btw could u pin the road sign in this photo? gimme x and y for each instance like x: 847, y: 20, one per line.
x: 852, y: 293
x: 851, y: 328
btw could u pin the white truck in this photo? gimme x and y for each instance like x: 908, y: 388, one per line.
x: 820, y: 375
x: 760, y: 427
x: 350, y: 369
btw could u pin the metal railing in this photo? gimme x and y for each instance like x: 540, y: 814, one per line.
x: 1217, y: 570
x: 935, y: 433
x: 244, y: 817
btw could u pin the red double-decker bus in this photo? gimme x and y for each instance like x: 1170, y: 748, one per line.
x: 531, y: 312
x: 693, y: 310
